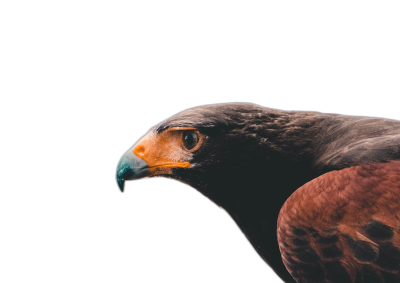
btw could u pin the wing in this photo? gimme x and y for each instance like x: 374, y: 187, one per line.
x: 344, y: 226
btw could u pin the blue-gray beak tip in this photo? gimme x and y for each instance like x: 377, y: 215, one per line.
x: 130, y: 167
x: 121, y: 184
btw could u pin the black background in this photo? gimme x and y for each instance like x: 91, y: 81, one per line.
x: 120, y: 82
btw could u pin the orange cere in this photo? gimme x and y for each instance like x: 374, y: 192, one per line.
x: 164, y: 149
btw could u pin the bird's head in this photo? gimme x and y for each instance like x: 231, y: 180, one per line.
x: 214, y: 148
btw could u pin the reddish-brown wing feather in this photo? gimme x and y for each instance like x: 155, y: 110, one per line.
x: 344, y: 226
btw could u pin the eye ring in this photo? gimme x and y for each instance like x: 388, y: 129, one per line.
x: 191, y: 140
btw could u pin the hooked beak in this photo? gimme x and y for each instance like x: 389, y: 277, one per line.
x: 130, y: 167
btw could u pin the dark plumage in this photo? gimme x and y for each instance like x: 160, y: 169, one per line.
x: 249, y: 160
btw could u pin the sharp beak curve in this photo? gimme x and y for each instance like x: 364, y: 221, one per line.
x: 130, y: 167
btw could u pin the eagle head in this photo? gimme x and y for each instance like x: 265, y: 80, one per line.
x: 216, y: 149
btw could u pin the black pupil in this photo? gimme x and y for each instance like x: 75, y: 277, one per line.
x: 190, y: 139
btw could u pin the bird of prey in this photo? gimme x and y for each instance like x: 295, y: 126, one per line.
x: 317, y: 195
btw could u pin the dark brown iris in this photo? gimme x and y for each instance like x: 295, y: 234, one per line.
x: 190, y: 139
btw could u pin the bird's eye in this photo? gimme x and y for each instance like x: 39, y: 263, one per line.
x: 190, y: 139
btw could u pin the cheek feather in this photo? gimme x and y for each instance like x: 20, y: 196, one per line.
x: 179, y: 154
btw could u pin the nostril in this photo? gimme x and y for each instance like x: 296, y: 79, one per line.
x: 139, y: 151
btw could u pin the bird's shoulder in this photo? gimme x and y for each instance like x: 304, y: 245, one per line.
x: 346, y: 141
x: 344, y: 227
